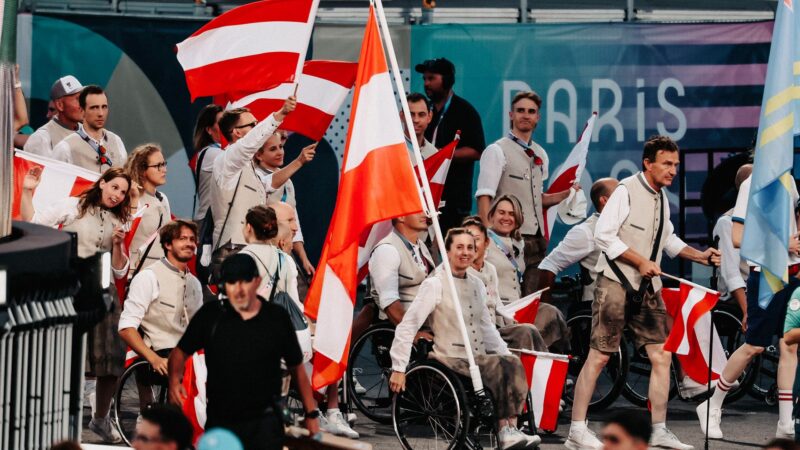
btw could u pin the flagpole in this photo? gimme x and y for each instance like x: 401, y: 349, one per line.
x: 475, y: 375
x: 312, y: 16
x: 694, y: 285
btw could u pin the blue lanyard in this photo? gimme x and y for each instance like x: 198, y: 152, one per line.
x: 441, y: 117
x: 507, y: 251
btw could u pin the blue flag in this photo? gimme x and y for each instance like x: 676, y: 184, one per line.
x: 770, y: 208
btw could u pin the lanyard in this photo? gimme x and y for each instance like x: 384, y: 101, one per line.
x: 525, y: 146
x: 507, y: 251
x: 441, y: 117
x: 102, y: 158
x: 414, y: 255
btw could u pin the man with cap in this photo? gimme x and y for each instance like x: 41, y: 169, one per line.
x: 245, y: 338
x: 92, y: 146
x: 452, y: 113
x: 64, y: 95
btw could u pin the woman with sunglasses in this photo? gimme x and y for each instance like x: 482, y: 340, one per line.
x: 148, y: 170
x: 97, y: 217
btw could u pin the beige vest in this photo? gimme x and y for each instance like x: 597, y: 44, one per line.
x: 250, y: 193
x: 95, y: 231
x: 488, y: 275
x: 589, y: 263
x: 266, y: 257
x: 507, y: 278
x: 444, y: 321
x: 57, y: 132
x: 83, y: 154
x: 154, y: 214
x: 179, y: 298
x: 284, y: 194
x: 427, y: 150
x: 523, y: 179
x: 638, y: 231
x: 410, y: 275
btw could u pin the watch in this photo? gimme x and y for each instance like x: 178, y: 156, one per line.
x: 312, y: 414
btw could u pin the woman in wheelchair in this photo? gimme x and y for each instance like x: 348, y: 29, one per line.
x: 501, y: 372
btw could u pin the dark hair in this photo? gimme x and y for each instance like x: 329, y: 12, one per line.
x: 172, y: 424
x: 656, y: 143
x: 238, y: 267
x: 93, y: 197
x: 475, y: 221
x: 136, y: 165
x: 516, y: 205
x: 206, y: 119
x: 783, y: 444
x: 66, y: 445
x: 634, y: 423
x: 228, y: 121
x: 452, y: 233
x: 415, y: 97
x: 91, y: 89
x: 172, y: 230
x: 264, y: 222
x: 530, y: 95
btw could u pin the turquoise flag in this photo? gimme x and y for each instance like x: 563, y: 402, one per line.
x: 770, y: 209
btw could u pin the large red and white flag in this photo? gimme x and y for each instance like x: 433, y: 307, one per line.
x: 321, y: 89
x: 546, y: 374
x: 566, y: 174
x: 59, y: 180
x: 523, y: 310
x: 249, y: 48
x: 690, y: 307
x: 376, y: 184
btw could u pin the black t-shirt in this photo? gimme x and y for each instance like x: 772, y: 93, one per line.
x: 243, y: 357
x: 460, y: 115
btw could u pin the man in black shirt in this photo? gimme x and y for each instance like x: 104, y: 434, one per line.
x: 245, y: 338
x: 452, y: 113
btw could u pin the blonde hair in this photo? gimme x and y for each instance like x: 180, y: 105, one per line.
x: 516, y: 206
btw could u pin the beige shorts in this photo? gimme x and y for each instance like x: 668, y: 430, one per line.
x: 649, y: 325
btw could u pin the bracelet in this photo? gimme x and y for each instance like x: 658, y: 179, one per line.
x: 312, y: 414
x: 17, y: 85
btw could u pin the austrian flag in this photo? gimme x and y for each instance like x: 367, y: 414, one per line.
x: 59, y: 180
x: 523, y: 310
x: 546, y: 374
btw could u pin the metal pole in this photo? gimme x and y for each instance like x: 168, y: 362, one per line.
x: 475, y: 374
x: 629, y: 11
x: 8, y: 55
x: 523, y: 11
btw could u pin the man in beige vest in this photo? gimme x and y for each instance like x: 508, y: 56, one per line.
x: 501, y: 372
x: 67, y: 115
x: 92, y: 146
x: 421, y: 111
x: 628, y: 290
x: 237, y: 187
x: 163, y: 297
x: 518, y: 166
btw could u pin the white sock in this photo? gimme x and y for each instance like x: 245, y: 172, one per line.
x: 659, y: 426
x: 331, y: 411
x: 577, y: 425
x: 785, y: 406
x: 718, y: 397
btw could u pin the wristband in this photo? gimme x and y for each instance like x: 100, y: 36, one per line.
x: 17, y: 85
x: 312, y: 414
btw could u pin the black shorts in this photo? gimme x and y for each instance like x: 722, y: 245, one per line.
x: 764, y: 324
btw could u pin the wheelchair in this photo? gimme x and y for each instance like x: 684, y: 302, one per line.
x: 439, y: 408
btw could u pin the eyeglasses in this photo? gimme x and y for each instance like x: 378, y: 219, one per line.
x: 524, y: 110
x: 251, y: 125
x: 147, y: 440
x: 160, y: 166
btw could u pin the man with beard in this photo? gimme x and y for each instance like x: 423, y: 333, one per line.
x: 419, y: 108
x: 163, y: 297
x: 452, y: 113
x: 92, y: 146
x: 516, y: 165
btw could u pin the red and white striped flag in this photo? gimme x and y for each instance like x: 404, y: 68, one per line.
x: 690, y: 306
x: 321, y: 89
x: 523, y: 310
x: 59, y: 180
x: 546, y: 374
x: 376, y: 184
x: 567, y: 173
x: 249, y: 48
x: 195, y: 374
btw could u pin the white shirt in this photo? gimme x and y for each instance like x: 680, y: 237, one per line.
x: 239, y: 154
x: 493, y: 163
x: 614, y: 214
x: 427, y: 299
x: 143, y: 291
x: 577, y: 244
x: 40, y: 142
x: 62, y: 151
x: 204, y: 180
x: 384, y: 269
x: 731, y: 275
x: 266, y: 179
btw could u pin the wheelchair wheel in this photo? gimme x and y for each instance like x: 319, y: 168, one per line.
x: 612, y: 378
x: 138, y: 388
x: 432, y: 412
x: 368, y: 372
x: 637, y: 381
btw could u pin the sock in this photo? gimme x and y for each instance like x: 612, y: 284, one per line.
x: 718, y: 397
x: 331, y: 411
x: 659, y: 426
x: 577, y: 425
x: 785, y: 406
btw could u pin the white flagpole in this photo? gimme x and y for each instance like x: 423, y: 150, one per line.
x: 694, y: 285
x: 475, y: 374
x: 312, y: 16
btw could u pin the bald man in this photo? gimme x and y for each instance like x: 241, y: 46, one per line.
x: 288, y: 225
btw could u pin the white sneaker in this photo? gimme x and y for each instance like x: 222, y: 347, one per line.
x: 582, y: 439
x: 663, y: 438
x: 106, y: 430
x: 690, y: 388
x: 714, y: 419
x: 351, y: 419
x: 511, y: 438
x: 333, y: 422
x: 785, y: 431
x: 356, y: 385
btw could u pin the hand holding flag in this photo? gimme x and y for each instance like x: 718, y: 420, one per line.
x: 523, y: 310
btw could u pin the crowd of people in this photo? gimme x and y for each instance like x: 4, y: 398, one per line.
x: 232, y: 274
